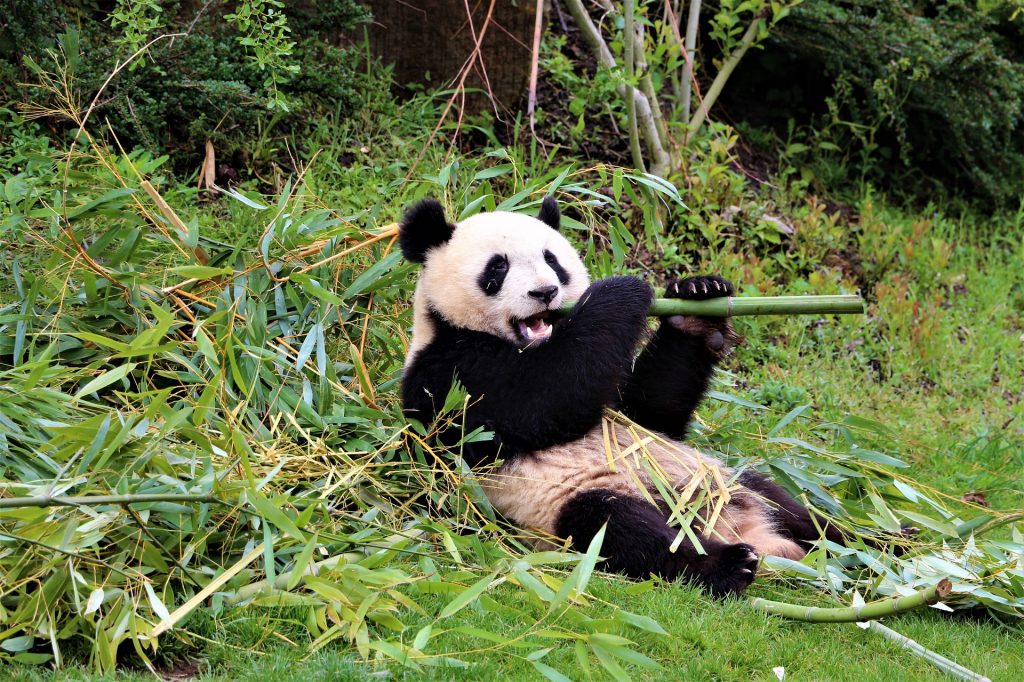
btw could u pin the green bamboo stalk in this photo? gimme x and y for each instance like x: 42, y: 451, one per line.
x: 854, y: 614
x: 95, y: 500
x: 727, y: 306
x: 629, y: 38
x: 938, y: 660
x: 728, y: 66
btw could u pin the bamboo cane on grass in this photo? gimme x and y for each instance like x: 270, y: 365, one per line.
x: 734, y: 306
x: 865, y: 615
x: 853, y: 614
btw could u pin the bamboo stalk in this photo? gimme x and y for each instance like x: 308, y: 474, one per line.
x: 644, y: 107
x: 94, y: 500
x: 629, y: 38
x: 728, y: 306
x: 690, y: 47
x: 728, y: 66
x: 939, y: 661
x: 853, y: 614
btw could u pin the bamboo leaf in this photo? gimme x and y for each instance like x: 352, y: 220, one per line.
x: 106, y: 379
x: 274, y: 514
x: 158, y: 606
x: 466, y: 596
x: 302, y: 564
x: 201, y: 271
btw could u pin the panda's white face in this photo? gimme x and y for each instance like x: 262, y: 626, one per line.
x: 502, y: 274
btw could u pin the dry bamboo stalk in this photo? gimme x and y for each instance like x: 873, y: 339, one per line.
x: 939, y: 661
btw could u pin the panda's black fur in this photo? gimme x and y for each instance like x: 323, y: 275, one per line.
x: 541, y: 384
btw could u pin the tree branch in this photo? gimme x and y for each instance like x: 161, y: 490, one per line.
x: 644, y: 115
x: 721, y: 77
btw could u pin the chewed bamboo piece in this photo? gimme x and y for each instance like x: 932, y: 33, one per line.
x: 735, y: 306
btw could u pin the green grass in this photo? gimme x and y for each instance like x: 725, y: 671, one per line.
x: 938, y: 361
x: 706, y: 640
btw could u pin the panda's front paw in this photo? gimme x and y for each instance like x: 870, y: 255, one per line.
x: 728, y: 569
x: 699, y: 288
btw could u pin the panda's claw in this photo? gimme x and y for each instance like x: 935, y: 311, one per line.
x: 699, y: 288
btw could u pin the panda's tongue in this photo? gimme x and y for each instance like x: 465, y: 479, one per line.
x: 534, y: 328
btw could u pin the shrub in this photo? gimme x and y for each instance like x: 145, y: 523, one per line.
x: 925, y: 95
x: 211, y: 83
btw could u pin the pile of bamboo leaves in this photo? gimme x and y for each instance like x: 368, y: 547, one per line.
x: 192, y: 425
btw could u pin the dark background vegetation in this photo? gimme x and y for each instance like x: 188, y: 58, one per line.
x: 923, y: 99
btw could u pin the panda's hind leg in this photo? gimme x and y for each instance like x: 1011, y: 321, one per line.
x: 790, y: 516
x: 637, y: 541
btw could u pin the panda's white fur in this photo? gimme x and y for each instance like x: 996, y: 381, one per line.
x: 536, y: 488
x: 446, y: 281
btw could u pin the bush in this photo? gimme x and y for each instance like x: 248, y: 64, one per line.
x: 922, y: 95
x: 206, y: 84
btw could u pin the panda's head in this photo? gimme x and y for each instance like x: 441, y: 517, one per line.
x: 500, y: 273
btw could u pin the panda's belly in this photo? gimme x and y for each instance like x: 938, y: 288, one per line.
x: 531, y: 489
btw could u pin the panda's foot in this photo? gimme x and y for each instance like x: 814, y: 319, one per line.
x: 699, y: 288
x: 727, y: 569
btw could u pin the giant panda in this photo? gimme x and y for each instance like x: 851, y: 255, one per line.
x: 485, y: 315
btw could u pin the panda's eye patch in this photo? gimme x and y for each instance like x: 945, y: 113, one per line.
x: 493, y: 276
x: 552, y: 261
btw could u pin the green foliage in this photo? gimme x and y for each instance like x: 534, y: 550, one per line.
x: 217, y: 82
x: 264, y: 33
x: 927, y: 97
x: 589, y: 99
x: 134, y: 23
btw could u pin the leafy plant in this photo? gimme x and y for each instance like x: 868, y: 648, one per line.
x: 927, y: 97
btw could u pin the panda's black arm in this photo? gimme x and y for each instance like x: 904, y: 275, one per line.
x: 672, y: 373
x: 669, y: 380
x: 536, y: 397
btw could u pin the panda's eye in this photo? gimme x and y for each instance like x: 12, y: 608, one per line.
x: 493, y: 276
x: 560, y: 272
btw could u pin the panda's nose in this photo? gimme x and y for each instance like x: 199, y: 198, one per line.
x: 544, y: 294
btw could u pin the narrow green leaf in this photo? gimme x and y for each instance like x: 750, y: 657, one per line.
x: 274, y: 514
x: 158, y: 606
x: 201, y: 271
x: 105, y: 379
x: 549, y: 672
x: 302, y: 563
x: 643, y: 622
x: 463, y: 598
x: 790, y: 416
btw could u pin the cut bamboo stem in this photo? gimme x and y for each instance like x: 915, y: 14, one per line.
x: 94, y: 500
x: 728, y: 306
x: 854, y: 614
x: 938, y: 660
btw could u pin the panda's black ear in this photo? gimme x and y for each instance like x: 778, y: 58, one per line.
x: 423, y: 227
x: 549, y: 213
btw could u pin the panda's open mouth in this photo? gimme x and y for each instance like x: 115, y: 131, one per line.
x: 535, y: 328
